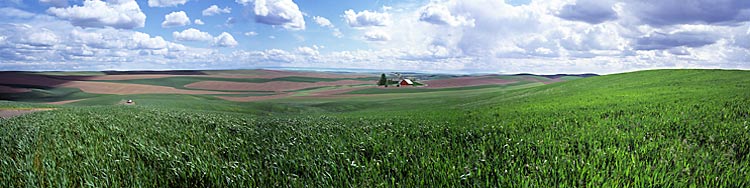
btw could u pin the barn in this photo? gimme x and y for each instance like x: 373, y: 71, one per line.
x: 406, y: 82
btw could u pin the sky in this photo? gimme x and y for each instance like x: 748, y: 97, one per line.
x: 450, y: 36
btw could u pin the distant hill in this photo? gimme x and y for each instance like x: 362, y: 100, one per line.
x: 553, y: 76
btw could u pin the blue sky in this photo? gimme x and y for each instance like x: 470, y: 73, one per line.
x: 468, y: 36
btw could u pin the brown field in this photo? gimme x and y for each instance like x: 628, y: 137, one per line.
x: 270, y: 74
x: 6, y: 89
x: 283, y: 89
x: 277, y: 86
x: 121, y: 88
x: 97, y: 87
x: 119, y: 77
x: 466, y: 81
x: 263, y: 74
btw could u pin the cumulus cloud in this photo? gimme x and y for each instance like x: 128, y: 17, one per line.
x: 589, y: 11
x: 214, y: 10
x: 308, y: 51
x: 175, y: 19
x: 42, y: 38
x: 661, y: 41
x: 44, y: 43
x: 192, y: 35
x: 323, y: 22
x: 145, y: 41
x: 250, y: 33
x: 87, y: 37
x: 440, y: 15
x: 671, y: 12
x: 279, y: 12
x: 225, y: 40
x: 539, y: 37
x: 166, y: 3
x: 123, y: 14
x: 268, y: 57
x: 198, y: 22
x: 366, y: 18
x: 377, y: 36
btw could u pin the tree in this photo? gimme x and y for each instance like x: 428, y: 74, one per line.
x: 383, y: 81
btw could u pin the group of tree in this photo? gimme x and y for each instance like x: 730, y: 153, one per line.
x: 383, y: 80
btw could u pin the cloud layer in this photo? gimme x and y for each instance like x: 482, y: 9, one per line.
x: 557, y: 36
x: 123, y: 14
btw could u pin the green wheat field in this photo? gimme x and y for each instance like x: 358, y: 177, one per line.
x: 656, y: 128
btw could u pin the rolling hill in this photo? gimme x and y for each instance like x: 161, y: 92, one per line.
x: 656, y: 128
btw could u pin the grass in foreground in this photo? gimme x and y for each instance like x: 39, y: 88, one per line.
x: 666, y: 128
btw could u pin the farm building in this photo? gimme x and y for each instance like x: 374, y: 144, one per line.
x: 406, y: 82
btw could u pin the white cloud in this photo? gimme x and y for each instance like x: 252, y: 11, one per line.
x: 250, y: 33
x: 308, y: 51
x: 323, y: 22
x: 166, y: 3
x: 279, y: 12
x: 377, y: 36
x: 44, y: 43
x: 539, y: 37
x: 214, y: 10
x: 123, y: 14
x: 192, y: 35
x: 366, y: 18
x: 198, y: 22
x: 440, y: 15
x: 225, y: 40
x: 175, y: 19
x: 87, y: 37
x: 243, y: 2
x: 42, y: 38
x: 143, y: 40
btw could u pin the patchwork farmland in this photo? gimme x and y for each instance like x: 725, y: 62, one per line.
x: 269, y: 128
